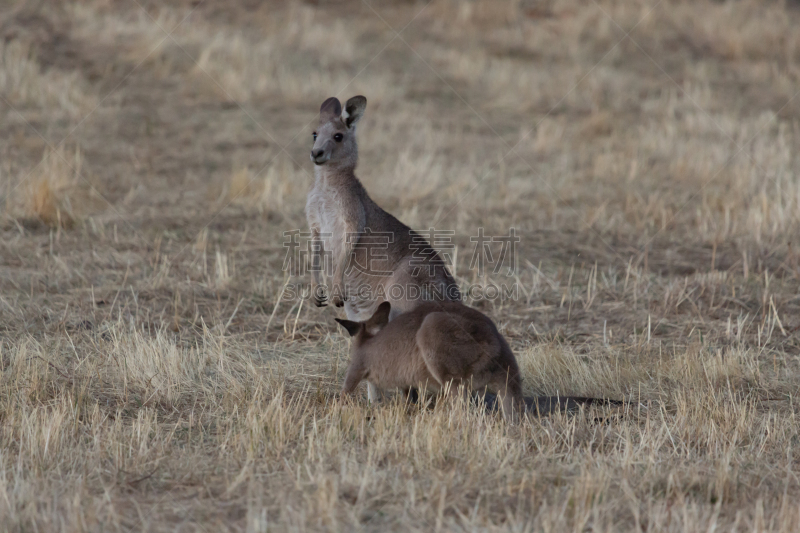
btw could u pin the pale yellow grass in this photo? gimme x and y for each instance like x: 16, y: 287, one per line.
x: 268, y: 189
x: 50, y: 192
x: 138, y: 413
x: 24, y: 85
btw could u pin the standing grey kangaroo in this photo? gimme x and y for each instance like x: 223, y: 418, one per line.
x: 435, y: 344
x: 374, y: 256
x: 348, y: 226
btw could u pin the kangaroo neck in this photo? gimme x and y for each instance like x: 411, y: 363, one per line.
x: 335, y: 175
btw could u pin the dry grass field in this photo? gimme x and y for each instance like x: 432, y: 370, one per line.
x: 155, y: 377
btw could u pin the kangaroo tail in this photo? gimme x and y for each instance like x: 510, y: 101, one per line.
x: 547, y: 405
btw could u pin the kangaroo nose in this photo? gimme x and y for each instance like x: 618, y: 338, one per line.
x: 316, y: 153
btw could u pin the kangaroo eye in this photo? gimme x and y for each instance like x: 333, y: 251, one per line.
x: 314, y: 135
x: 338, y: 137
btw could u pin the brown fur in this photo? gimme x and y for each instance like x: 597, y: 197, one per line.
x: 338, y: 205
x: 434, y: 344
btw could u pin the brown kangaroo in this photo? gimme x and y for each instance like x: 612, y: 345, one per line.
x: 430, y: 346
x: 345, y: 223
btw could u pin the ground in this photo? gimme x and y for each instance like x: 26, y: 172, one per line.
x: 156, y: 375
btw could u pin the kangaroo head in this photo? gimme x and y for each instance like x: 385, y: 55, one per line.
x: 361, y: 331
x: 335, y: 137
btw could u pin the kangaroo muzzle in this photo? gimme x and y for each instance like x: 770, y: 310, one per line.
x: 321, y: 155
x: 318, y: 156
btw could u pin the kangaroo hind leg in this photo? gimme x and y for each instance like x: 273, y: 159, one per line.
x: 448, y: 350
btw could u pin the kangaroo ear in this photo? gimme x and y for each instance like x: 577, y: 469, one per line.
x: 352, y: 327
x: 379, y: 319
x: 354, y: 110
x: 330, y: 108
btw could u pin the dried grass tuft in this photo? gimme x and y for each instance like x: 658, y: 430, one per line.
x: 269, y: 191
x: 49, y: 194
x: 24, y: 84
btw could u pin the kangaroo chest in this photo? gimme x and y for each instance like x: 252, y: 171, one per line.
x: 325, y: 214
